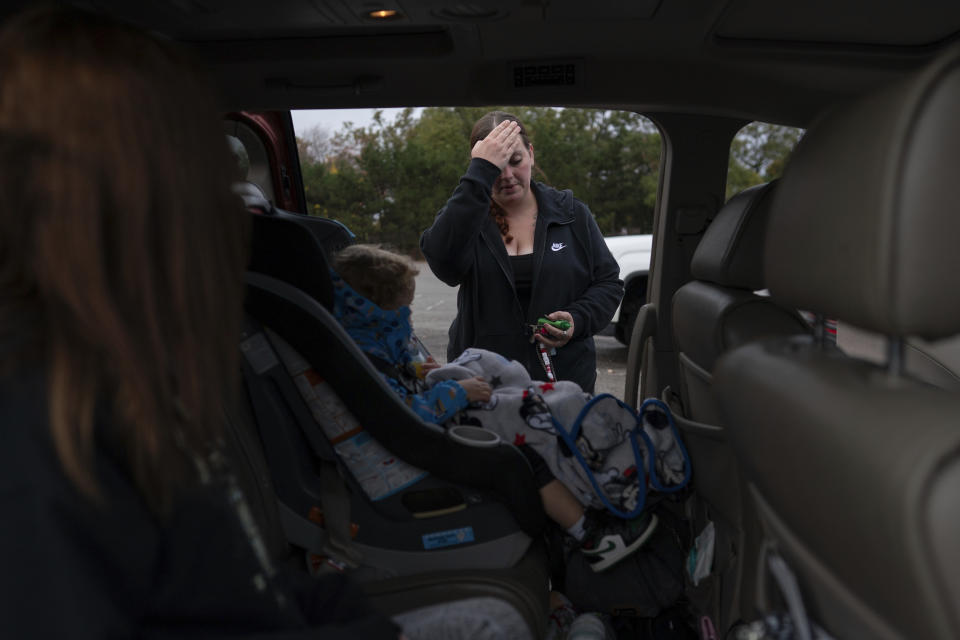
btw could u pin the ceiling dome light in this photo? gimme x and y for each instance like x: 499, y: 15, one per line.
x: 384, y: 14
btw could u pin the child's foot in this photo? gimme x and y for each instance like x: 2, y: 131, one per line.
x: 610, y: 540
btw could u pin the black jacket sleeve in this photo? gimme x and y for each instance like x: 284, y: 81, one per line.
x: 60, y: 578
x: 448, y: 243
x: 76, y: 567
x: 593, y: 310
x: 74, y: 570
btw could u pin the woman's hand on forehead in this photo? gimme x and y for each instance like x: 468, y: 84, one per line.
x: 500, y: 144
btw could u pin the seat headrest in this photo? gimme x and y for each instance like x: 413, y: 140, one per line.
x: 252, y: 195
x: 864, y: 225
x: 731, y: 251
x: 289, y: 251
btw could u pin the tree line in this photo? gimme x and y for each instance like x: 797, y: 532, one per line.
x: 386, y: 181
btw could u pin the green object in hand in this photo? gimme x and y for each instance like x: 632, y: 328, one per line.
x: 563, y: 325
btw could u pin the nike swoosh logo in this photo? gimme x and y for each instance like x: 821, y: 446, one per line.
x: 557, y: 246
x: 610, y: 547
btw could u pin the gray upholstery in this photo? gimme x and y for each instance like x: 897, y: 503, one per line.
x: 854, y: 466
x: 858, y: 480
x: 934, y: 362
x: 731, y: 251
x: 709, y: 320
x: 882, y: 217
x: 712, y: 314
x: 719, y: 309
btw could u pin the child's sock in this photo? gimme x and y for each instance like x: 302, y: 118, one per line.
x: 577, y: 530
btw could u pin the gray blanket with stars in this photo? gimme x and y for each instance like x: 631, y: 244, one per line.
x: 524, y: 411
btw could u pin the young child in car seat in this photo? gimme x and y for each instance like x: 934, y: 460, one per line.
x: 373, y: 290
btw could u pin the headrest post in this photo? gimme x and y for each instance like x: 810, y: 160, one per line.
x: 819, y: 330
x: 895, y: 356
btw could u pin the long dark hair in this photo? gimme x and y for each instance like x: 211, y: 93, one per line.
x: 481, y: 129
x: 121, y: 247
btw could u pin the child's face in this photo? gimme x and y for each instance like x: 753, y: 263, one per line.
x: 407, y: 299
x: 404, y: 299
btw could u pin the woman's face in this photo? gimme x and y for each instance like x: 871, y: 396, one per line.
x: 513, y: 185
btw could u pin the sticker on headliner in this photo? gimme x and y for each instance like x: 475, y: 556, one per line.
x: 447, y: 538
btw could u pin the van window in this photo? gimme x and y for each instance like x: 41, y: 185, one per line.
x: 386, y: 173
x: 759, y: 153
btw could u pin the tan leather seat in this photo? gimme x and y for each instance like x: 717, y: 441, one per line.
x: 854, y: 466
x: 720, y: 309
x: 713, y: 313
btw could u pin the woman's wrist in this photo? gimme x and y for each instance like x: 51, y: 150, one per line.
x: 482, y: 172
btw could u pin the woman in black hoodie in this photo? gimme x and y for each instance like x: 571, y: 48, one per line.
x: 520, y: 250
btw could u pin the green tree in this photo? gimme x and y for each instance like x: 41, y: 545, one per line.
x: 314, y: 144
x: 759, y: 153
x: 387, y: 181
x: 610, y: 159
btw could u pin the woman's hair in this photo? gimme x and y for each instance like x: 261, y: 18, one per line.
x: 385, y: 278
x: 481, y: 129
x: 121, y: 247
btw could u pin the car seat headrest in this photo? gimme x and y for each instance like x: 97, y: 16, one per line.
x: 730, y: 253
x: 254, y: 199
x: 864, y: 225
x: 287, y: 250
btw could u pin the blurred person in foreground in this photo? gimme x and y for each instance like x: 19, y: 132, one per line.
x: 121, y: 253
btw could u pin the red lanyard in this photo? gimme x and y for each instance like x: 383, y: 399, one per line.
x: 545, y: 361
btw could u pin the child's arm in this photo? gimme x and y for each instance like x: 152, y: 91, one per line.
x: 478, y: 389
x: 437, y: 404
x: 430, y: 365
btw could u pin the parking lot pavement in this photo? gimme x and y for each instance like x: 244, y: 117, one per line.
x: 611, y: 366
x: 435, y: 306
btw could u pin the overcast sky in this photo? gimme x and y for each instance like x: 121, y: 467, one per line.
x: 333, y: 119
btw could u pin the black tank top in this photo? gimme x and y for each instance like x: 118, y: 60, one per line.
x: 523, y: 279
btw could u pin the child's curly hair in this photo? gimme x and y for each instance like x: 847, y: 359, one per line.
x: 385, y: 278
